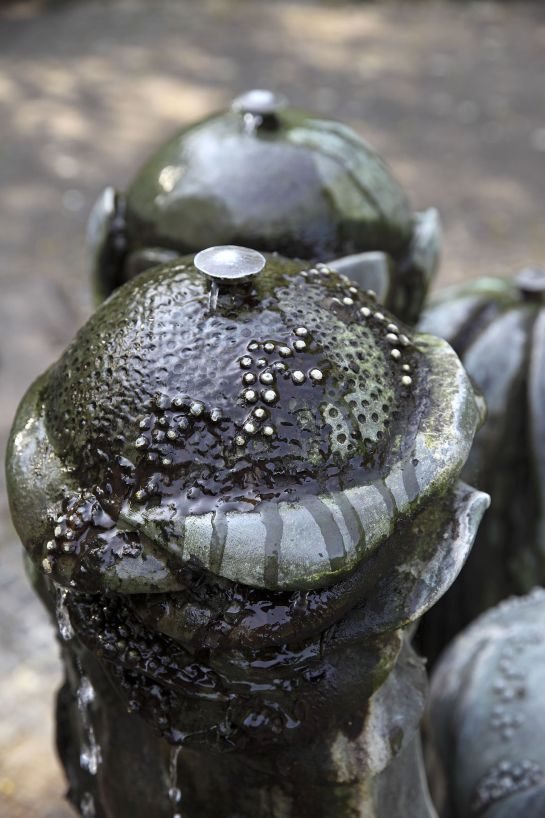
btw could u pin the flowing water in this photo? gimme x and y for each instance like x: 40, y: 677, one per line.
x: 90, y: 755
x: 87, y: 806
x: 174, y: 791
x: 64, y: 625
x: 213, y: 297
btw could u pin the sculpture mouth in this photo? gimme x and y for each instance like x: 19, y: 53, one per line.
x: 311, y: 542
x: 226, y: 665
x: 163, y: 478
x: 218, y: 693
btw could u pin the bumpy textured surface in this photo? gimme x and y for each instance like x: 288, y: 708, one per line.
x: 157, y: 360
x: 486, y: 714
x: 273, y: 431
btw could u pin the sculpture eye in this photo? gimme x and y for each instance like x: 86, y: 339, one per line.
x: 107, y: 241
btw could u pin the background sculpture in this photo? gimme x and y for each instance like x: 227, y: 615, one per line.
x: 277, y: 179
x: 486, y: 714
x: 497, y: 326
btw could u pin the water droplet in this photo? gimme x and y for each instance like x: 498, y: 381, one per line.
x: 64, y: 625
x: 90, y: 755
x: 87, y: 806
x: 174, y: 791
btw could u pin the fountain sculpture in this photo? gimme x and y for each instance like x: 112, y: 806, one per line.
x: 238, y: 489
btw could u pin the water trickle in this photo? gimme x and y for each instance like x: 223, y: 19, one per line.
x: 257, y: 107
x: 174, y: 791
x: 251, y: 123
x: 213, y: 297
x: 90, y: 754
x: 64, y: 625
x: 87, y: 806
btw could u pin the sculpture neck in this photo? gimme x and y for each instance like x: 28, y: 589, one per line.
x: 373, y: 771
x: 376, y: 773
x: 232, y: 787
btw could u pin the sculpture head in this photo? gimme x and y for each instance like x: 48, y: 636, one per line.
x: 242, y: 474
x: 264, y: 175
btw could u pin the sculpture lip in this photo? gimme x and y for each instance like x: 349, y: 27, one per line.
x: 217, y: 644
x: 312, y: 542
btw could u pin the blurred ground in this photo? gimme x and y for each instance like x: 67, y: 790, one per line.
x: 451, y: 94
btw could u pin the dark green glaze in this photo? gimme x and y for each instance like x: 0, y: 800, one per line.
x: 289, y: 182
x: 487, y: 711
x: 314, y: 190
x: 270, y: 659
x: 273, y: 439
x: 335, y: 708
x: 497, y: 326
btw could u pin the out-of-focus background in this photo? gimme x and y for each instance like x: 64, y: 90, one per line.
x: 450, y: 92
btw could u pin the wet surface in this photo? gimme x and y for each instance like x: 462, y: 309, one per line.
x: 450, y: 93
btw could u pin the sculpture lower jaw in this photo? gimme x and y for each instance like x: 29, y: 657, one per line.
x: 118, y: 766
x: 355, y: 756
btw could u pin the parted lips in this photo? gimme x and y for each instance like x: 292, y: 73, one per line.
x: 272, y: 430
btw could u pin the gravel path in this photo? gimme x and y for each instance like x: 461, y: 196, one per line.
x: 452, y: 95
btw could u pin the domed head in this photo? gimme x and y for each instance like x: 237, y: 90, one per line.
x: 236, y: 451
x: 265, y: 420
x: 264, y: 175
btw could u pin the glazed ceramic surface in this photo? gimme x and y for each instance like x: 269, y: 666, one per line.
x: 237, y: 489
x: 268, y: 176
x: 497, y: 326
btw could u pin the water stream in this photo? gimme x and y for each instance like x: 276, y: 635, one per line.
x: 90, y: 755
x: 87, y: 806
x: 213, y: 297
x: 64, y: 625
x: 174, y: 791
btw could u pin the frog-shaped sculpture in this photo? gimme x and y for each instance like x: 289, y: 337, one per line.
x: 497, y: 326
x: 278, y: 179
x: 237, y: 489
x: 486, y: 714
